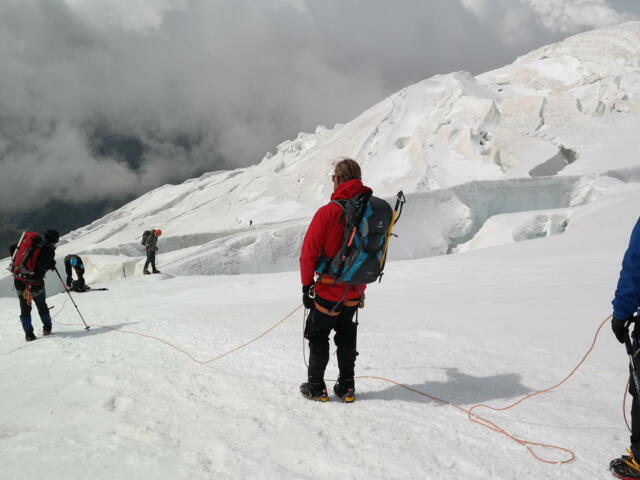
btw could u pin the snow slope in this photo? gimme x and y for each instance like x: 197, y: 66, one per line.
x: 567, y: 111
x: 484, y: 326
x: 528, y: 176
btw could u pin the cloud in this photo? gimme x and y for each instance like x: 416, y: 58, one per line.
x: 525, y: 21
x: 104, y: 98
x: 57, y: 164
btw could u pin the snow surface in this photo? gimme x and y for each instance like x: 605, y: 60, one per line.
x: 527, y: 177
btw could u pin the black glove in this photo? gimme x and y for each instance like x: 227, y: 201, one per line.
x: 620, y: 328
x: 307, y: 301
x: 52, y: 265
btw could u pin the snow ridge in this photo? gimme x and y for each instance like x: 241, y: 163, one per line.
x: 540, y: 118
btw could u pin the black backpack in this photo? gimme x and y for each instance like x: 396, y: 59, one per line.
x: 145, y: 235
x: 362, y: 255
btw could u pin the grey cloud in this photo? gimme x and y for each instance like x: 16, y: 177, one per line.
x: 94, y: 104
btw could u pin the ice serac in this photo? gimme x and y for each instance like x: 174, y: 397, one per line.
x: 505, y: 156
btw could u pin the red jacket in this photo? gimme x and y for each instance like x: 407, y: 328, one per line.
x: 324, y: 238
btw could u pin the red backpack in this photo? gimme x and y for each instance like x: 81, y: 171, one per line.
x: 25, y: 256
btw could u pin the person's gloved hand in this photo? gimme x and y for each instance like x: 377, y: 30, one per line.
x: 307, y: 301
x: 52, y: 265
x: 620, y: 328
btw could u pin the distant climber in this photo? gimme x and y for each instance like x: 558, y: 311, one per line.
x: 73, y: 263
x: 150, y: 242
x: 625, y: 309
x: 31, y: 257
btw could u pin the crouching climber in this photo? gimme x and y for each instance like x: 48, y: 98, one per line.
x: 73, y: 263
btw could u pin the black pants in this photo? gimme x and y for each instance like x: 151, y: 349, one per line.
x: 317, y: 329
x: 151, y: 259
x: 39, y: 298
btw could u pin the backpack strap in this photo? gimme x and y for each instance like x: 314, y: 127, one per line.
x: 351, y: 224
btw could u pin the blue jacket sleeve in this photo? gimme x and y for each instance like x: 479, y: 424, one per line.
x: 627, y: 299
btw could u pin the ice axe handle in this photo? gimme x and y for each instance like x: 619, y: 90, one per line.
x: 400, y: 201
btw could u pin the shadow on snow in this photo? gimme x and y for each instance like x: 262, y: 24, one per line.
x: 460, y: 388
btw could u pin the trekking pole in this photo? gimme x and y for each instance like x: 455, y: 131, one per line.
x: 634, y: 373
x: 86, y: 327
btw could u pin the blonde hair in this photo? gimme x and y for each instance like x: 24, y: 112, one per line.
x: 347, y: 169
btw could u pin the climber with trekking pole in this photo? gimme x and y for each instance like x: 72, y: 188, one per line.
x: 625, y: 308
x: 345, y: 246
x: 31, y: 258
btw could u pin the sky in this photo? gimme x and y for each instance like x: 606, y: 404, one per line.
x: 102, y: 100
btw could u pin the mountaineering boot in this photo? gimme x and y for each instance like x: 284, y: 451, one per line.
x: 155, y: 271
x: 146, y: 272
x: 314, y: 391
x: 625, y: 467
x: 28, y: 328
x: 345, y: 389
x: 46, y: 324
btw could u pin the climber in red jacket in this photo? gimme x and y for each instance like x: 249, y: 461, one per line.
x: 332, y: 305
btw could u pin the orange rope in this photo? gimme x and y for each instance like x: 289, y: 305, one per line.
x: 475, y: 418
x: 471, y: 415
x: 183, y: 351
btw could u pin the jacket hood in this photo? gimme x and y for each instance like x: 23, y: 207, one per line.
x: 349, y: 189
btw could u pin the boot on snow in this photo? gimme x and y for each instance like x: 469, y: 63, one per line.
x: 46, y: 324
x: 345, y: 389
x: 29, y: 336
x: 155, y: 271
x: 626, y: 467
x: 146, y: 272
x: 314, y: 391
